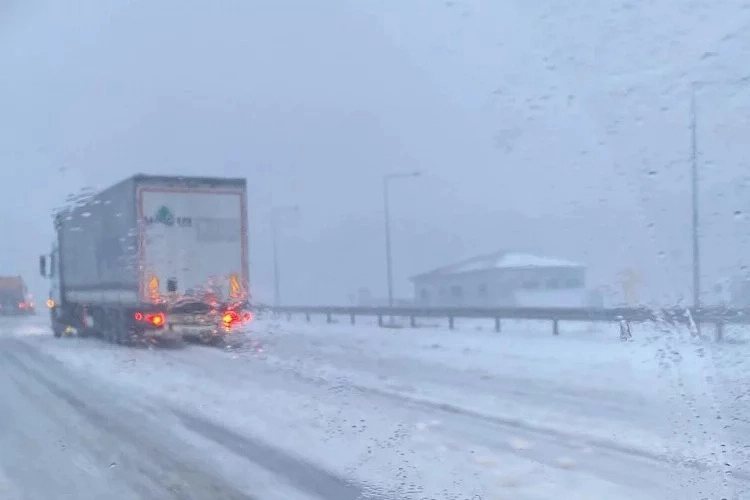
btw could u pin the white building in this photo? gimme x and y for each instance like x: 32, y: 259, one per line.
x: 504, y: 279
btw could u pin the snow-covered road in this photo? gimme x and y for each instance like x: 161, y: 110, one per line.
x: 340, y: 412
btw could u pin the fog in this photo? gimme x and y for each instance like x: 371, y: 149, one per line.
x: 557, y: 128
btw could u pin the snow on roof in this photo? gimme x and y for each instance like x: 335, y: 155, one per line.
x: 499, y: 260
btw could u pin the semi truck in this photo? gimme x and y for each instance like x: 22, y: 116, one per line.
x: 152, y: 257
x: 14, y: 296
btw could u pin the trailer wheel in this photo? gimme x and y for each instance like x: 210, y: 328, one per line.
x: 116, y: 327
x: 217, y: 341
x: 109, y: 334
x: 133, y: 338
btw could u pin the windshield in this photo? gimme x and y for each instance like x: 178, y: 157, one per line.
x: 374, y: 250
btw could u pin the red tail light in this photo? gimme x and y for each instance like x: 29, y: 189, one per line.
x: 230, y: 318
x: 155, y: 319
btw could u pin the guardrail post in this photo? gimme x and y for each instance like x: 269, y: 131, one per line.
x: 497, y: 324
x: 352, y: 318
x: 719, y: 331
x: 555, y: 327
x: 380, y: 320
x: 413, y: 321
x: 450, y: 322
x: 289, y: 316
x: 329, y: 318
x: 307, y: 317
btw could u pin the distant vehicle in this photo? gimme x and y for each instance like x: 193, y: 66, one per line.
x: 14, y: 297
x: 152, y: 257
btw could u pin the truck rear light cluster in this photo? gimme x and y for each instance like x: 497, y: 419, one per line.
x: 233, y: 318
x: 155, y: 319
x: 230, y: 319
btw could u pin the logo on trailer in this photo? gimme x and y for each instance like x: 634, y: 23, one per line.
x: 165, y: 216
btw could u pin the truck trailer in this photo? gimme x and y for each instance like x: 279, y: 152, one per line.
x: 152, y: 257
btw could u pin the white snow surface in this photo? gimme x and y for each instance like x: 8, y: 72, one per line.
x: 463, y: 414
x: 502, y: 260
x: 588, y: 383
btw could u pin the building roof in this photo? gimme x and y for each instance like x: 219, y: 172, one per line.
x: 498, y: 260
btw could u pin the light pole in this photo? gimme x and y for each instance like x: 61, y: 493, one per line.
x: 694, y: 190
x: 388, y: 260
x: 275, y: 213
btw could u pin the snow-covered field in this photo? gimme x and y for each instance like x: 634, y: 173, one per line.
x: 433, y: 413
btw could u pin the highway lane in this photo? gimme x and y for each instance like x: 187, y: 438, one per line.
x: 67, y: 435
x: 59, y: 439
x: 682, y: 414
x: 95, y: 418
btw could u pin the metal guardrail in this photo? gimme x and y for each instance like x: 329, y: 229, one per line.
x: 717, y: 316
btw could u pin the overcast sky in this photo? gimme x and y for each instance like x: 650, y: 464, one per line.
x: 558, y: 128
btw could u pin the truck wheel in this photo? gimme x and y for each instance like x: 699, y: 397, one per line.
x: 217, y: 341
x: 133, y: 338
x: 122, y: 335
x: 57, y: 329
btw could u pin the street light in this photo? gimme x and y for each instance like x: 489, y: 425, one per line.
x: 694, y: 189
x: 388, y: 260
x: 694, y: 87
x: 275, y: 213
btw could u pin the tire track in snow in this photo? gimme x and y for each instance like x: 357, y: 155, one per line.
x: 302, y: 474
x: 151, y: 466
